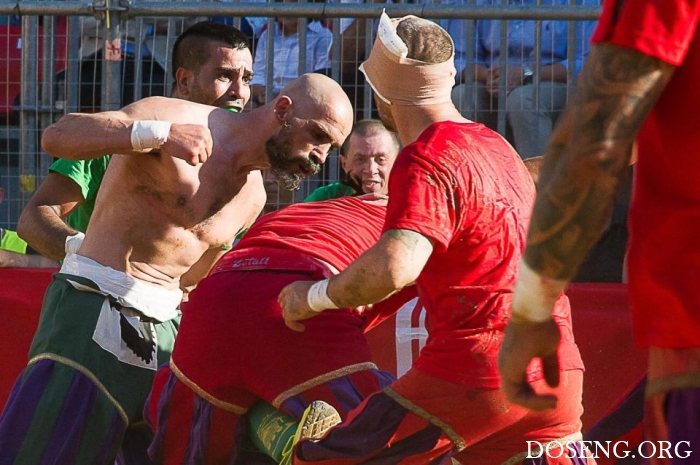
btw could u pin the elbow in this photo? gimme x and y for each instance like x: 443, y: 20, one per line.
x: 27, y: 227
x: 23, y: 226
x: 398, y: 279
x: 55, y: 140
x: 51, y: 141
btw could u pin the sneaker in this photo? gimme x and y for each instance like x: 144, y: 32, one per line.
x: 318, y: 418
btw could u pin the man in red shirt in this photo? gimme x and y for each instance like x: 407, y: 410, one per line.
x: 459, y: 203
x: 641, y: 80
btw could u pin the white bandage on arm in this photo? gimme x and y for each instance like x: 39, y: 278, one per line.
x: 534, y: 296
x: 73, y: 242
x: 318, y: 299
x: 149, y: 135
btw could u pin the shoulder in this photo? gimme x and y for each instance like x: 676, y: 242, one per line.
x: 317, y: 28
x: 331, y: 191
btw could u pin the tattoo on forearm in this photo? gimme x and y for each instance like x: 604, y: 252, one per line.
x: 587, y: 154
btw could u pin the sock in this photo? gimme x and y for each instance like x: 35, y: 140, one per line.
x: 272, y: 431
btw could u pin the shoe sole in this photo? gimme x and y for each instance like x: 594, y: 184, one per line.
x: 318, y: 418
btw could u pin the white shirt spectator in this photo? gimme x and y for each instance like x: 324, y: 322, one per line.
x: 286, y: 57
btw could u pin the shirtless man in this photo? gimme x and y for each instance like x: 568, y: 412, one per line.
x: 212, y: 64
x: 161, y: 219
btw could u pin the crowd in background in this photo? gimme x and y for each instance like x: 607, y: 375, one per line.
x: 512, y: 76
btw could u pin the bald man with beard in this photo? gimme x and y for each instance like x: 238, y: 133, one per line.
x: 183, y: 182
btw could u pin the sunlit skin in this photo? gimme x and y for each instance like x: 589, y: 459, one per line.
x: 581, y: 171
x: 369, y: 161
x: 222, y: 81
x: 204, y: 183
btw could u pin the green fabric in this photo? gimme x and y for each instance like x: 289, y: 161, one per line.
x: 94, y: 437
x: 88, y: 175
x: 331, y: 191
x: 66, y: 327
x: 12, y: 242
x: 272, y: 431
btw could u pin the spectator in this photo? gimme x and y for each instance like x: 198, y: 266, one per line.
x: 251, y: 26
x: 153, y: 43
x: 353, y: 37
x: 285, y: 62
x: 367, y: 156
x: 530, y: 118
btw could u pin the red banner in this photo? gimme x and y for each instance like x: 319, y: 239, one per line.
x: 601, y: 324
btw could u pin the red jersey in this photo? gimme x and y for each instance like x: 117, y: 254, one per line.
x: 665, y: 215
x: 465, y: 188
x: 341, y: 230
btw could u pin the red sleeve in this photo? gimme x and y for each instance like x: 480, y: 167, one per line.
x: 422, y: 197
x: 663, y: 29
x: 388, y: 307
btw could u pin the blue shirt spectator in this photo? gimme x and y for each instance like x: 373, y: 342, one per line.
x: 530, y: 112
x: 285, y: 62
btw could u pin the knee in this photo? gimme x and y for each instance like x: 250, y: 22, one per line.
x: 520, y: 100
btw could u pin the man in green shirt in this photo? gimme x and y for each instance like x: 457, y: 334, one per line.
x: 212, y: 64
x: 366, y: 157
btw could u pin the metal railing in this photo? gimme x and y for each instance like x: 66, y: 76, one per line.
x: 42, y: 46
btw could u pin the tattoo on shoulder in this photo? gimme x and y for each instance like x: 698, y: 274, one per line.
x: 410, y: 238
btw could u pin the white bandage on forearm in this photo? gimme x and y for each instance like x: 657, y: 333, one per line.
x: 73, y: 242
x: 317, y: 297
x: 534, y: 296
x: 149, y: 135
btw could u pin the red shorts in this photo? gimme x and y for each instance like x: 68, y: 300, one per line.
x: 233, y: 349
x: 233, y: 344
x: 672, y: 407
x: 427, y: 419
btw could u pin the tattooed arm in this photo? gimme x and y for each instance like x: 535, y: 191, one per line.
x: 587, y: 155
x: 393, y: 263
x: 585, y: 159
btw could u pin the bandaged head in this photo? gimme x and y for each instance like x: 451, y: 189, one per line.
x: 402, y: 81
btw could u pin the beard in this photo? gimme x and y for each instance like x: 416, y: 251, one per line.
x: 283, y: 165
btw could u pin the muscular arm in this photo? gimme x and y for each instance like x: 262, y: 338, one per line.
x: 41, y: 222
x: 393, y: 263
x: 82, y: 136
x: 587, y: 154
x: 390, y: 265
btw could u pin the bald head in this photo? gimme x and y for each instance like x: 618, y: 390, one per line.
x: 318, y: 97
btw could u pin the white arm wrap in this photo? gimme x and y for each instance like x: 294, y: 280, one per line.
x: 73, y: 242
x: 149, y: 135
x: 318, y: 299
x: 534, y: 296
